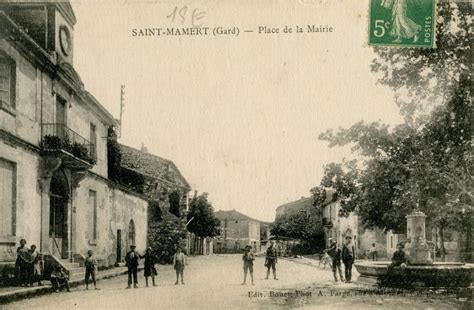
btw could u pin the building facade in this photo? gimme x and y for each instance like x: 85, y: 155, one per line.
x: 54, y: 184
x: 160, y: 180
x: 238, y: 231
x: 305, y: 204
x: 339, y: 227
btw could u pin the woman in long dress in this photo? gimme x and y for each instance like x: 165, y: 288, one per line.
x: 149, y: 270
x: 402, y: 26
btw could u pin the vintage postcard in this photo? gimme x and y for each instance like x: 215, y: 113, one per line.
x: 206, y: 154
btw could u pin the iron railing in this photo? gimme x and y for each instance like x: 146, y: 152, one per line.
x: 57, y: 136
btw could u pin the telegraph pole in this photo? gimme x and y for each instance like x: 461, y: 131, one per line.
x: 122, y: 105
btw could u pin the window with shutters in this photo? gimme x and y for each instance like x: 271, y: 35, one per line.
x: 93, y: 219
x: 7, y: 81
x: 7, y: 198
x: 93, y: 140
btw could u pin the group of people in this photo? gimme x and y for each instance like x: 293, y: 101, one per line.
x: 334, y: 255
x: 28, y: 266
x: 271, y: 258
x: 132, y: 261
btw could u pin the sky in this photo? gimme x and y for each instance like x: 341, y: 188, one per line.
x: 239, y: 115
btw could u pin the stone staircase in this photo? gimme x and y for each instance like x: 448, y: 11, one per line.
x: 76, y: 272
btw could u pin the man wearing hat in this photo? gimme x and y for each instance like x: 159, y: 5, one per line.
x: 335, y: 254
x: 399, y: 257
x: 348, y: 256
x: 131, y: 261
x: 271, y: 258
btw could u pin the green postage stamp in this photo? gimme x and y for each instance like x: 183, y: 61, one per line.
x: 404, y: 23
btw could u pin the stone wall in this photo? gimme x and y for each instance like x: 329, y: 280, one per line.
x: 27, y: 204
x: 116, y: 208
x: 369, y: 236
x: 24, y: 120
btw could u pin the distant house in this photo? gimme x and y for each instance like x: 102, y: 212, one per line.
x: 264, y: 235
x: 238, y: 230
x: 337, y: 227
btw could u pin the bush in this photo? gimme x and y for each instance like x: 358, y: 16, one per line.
x: 164, y: 237
x: 51, y: 142
x: 80, y: 150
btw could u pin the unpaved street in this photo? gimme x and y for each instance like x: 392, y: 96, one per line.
x: 214, y: 282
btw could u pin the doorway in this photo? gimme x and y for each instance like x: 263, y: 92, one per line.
x: 119, y: 246
x: 58, y: 211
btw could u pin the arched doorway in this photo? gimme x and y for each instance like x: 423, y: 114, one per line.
x: 58, y: 211
x: 131, y: 233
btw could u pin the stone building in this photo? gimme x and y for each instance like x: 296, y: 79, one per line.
x: 339, y: 227
x: 302, y: 205
x: 54, y: 184
x: 162, y: 183
x: 238, y: 231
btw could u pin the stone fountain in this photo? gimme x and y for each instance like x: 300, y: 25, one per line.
x: 421, y: 271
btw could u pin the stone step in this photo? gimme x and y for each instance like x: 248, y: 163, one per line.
x: 68, y: 264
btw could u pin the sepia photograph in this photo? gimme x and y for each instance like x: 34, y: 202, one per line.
x: 219, y: 154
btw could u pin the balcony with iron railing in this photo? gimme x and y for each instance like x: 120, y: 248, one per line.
x: 75, y: 151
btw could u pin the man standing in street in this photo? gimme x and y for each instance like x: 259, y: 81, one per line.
x: 335, y: 253
x: 348, y: 257
x: 271, y: 260
x: 131, y: 261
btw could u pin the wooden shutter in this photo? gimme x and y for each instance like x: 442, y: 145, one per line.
x: 5, y: 81
x: 7, y: 199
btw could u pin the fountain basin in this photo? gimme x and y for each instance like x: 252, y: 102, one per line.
x: 443, y: 274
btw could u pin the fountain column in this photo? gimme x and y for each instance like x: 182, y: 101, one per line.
x: 417, y: 248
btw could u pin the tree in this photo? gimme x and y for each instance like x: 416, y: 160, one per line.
x: 202, y: 221
x: 423, y: 77
x: 164, y: 236
x: 114, y: 156
x: 305, y: 225
x: 425, y: 163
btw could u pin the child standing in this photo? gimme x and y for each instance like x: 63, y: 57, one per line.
x: 36, y: 266
x: 179, y: 260
x: 248, y: 259
x: 91, y: 265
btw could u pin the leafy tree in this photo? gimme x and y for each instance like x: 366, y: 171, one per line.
x: 305, y: 225
x: 164, y: 236
x: 202, y: 223
x: 114, y: 156
x: 426, y: 162
x: 423, y: 77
